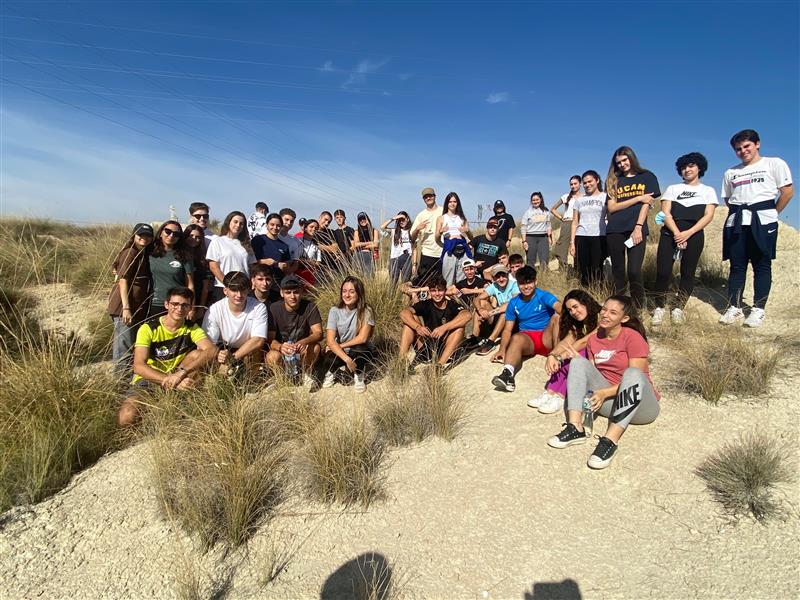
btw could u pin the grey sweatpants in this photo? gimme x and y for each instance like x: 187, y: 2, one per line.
x: 635, y: 402
x: 538, y: 248
x: 451, y: 268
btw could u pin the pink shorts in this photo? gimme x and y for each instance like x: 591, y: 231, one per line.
x: 538, y: 345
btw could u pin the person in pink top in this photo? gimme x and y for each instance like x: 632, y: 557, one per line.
x: 618, y: 374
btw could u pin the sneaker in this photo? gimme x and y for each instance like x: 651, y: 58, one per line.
x: 568, y: 436
x: 552, y: 404
x: 678, y: 316
x: 359, y: 385
x: 731, y: 315
x: 504, y: 381
x: 485, y: 346
x: 536, y: 402
x: 602, y: 455
x: 330, y: 379
x: 308, y: 381
x: 658, y: 317
x: 755, y: 318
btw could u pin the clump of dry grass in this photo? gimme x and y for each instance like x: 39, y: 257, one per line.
x: 744, y: 474
x: 715, y: 360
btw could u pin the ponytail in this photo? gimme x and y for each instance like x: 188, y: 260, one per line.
x: 629, y: 310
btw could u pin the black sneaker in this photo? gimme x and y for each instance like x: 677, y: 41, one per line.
x: 485, y: 346
x: 603, y: 454
x: 504, y: 381
x: 568, y: 436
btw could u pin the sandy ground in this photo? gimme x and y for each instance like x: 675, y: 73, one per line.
x: 493, y: 514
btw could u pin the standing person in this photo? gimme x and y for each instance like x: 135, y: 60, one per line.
x: 200, y: 214
x: 203, y: 278
x: 688, y: 207
x: 401, y: 248
x: 229, y: 251
x: 365, y: 244
x: 257, y: 222
x: 343, y: 234
x: 536, y: 233
x: 617, y: 369
x: 505, y: 222
x: 310, y: 255
x: 630, y: 190
x: 588, y: 232
x: 348, y: 332
x: 756, y: 191
x: 561, y: 249
x: 170, y: 266
x: 488, y: 248
x: 292, y: 242
x: 453, y: 229
x: 326, y: 241
x: 270, y: 250
x: 128, y: 302
x: 423, y: 236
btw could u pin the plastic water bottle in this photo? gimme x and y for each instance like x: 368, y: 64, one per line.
x: 292, y: 364
x: 660, y: 216
x: 588, y: 415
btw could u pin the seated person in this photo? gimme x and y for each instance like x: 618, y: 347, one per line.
x: 532, y: 310
x: 264, y: 288
x: 294, y: 328
x: 491, y: 305
x: 169, y: 351
x: 471, y: 285
x: 237, y: 324
x: 349, y: 329
x: 435, y: 327
x: 515, y: 263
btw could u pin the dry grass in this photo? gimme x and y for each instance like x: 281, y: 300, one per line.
x: 743, y: 476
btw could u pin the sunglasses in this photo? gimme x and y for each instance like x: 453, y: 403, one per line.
x: 429, y: 196
x: 199, y: 216
x: 171, y: 232
x: 180, y: 305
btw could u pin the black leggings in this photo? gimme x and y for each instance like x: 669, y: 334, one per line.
x: 360, y: 354
x: 590, y: 253
x: 690, y: 257
x: 619, y: 252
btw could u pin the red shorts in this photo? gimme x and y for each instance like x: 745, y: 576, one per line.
x: 538, y: 345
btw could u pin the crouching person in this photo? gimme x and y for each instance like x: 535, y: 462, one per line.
x: 435, y: 327
x: 237, y: 325
x: 618, y: 373
x: 169, y: 352
x: 294, y: 332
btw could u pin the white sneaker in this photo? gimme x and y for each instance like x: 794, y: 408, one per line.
x: 731, y: 315
x: 755, y: 318
x: 359, y: 385
x: 330, y: 379
x: 552, y: 404
x: 308, y: 381
x: 658, y: 317
x: 536, y: 402
x: 678, y: 316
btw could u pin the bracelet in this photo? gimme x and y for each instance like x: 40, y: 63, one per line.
x: 637, y: 225
x: 124, y: 309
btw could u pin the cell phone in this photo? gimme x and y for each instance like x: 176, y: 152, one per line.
x: 629, y: 242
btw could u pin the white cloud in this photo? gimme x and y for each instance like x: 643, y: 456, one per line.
x: 327, y: 67
x: 364, y: 67
x: 498, y: 97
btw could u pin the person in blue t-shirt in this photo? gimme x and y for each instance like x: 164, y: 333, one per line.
x: 533, y: 310
x: 491, y: 306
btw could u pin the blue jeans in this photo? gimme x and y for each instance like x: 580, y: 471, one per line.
x: 122, y: 346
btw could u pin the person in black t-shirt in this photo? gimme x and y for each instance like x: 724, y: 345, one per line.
x: 471, y: 285
x: 488, y: 248
x: 264, y: 289
x: 343, y: 235
x: 326, y: 241
x: 435, y: 327
x: 505, y: 222
x: 630, y: 189
x: 270, y: 250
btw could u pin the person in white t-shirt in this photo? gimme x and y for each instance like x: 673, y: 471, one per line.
x: 423, y: 236
x: 588, y: 231
x: 756, y: 191
x: 401, y: 247
x: 561, y: 248
x: 688, y: 207
x: 229, y: 251
x: 237, y: 324
x: 535, y: 231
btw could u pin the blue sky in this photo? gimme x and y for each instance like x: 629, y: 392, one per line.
x: 113, y: 111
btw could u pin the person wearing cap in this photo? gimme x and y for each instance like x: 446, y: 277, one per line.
x: 532, y: 309
x: 401, y: 247
x: 471, y: 285
x: 486, y: 249
x: 128, y: 301
x: 257, y: 221
x: 294, y: 327
x: 505, y: 222
x: 491, y: 304
x: 365, y: 244
x: 423, y: 235
x: 237, y: 324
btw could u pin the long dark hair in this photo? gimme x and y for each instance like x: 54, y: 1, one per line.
x: 361, y: 304
x: 140, y: 257
x: 459, y: 210
x: 568, y: 324
x: 365, y: 233
x: 199, y: 252
x: 397, y: 239
x: 243, y: 237
x: 541, y: 197
x: 182, y: 253
x: 629, y: 310
x: 571, y: 193
x: 596, y: 175
x: 614, y: 172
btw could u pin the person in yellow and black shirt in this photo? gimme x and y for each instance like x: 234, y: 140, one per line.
x: 169, y: 350
x: 631, y: 190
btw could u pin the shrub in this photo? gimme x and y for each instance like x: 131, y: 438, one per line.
x: 744, y: 474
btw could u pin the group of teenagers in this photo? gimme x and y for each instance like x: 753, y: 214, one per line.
x: 186, y: 298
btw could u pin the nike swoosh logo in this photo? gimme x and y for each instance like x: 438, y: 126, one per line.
x: 772, y: 230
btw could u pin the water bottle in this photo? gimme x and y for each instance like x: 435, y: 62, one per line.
x: 292, y: 364
x: 588, y: 415
x: 660, y: 217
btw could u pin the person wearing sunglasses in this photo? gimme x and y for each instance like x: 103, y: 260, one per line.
x: 200, y: 214
x: 170, y: 351
x: 486, y: 249
x: 170, y: 265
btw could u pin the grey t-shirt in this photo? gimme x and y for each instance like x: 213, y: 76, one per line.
x: 345, y: 322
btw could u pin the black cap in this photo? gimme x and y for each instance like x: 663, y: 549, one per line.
x: 291, y: 282
x: 499, y: 203
x: 362, y: 215
x: 143, y: 229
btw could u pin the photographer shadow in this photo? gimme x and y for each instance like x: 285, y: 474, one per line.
x: 554, y: 590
